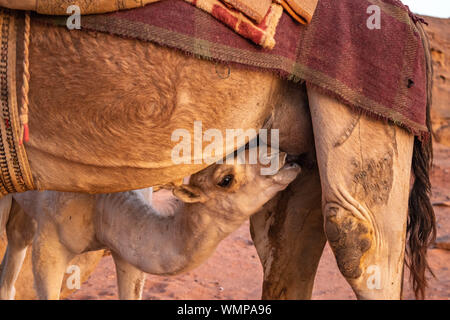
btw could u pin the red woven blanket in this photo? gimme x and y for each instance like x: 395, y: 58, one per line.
x: 381, y: 71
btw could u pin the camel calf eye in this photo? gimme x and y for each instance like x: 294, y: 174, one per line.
x: 226, y: 181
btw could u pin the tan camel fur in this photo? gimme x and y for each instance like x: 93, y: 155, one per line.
x: 216, y: 201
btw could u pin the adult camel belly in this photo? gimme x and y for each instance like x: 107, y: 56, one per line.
x: 103, y: 109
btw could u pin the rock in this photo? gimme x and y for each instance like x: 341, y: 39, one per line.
x: 442, y: 243
x: 438, y: 31
x: 442, y: 204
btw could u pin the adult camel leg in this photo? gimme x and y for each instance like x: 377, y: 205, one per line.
x: 20, y: 231
x: 365, y: 170
x: 50, y: 259
x: 5, y: 208
x: 130, y: 280
x: 288, y: 235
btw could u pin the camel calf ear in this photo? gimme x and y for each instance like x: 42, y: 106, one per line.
x: 189, y: 194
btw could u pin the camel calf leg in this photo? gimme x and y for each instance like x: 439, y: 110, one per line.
x: 50, y: 259
x: 365, y: 169
x: 289, y: 237
x: 130, y: 280
x: 20, y: 231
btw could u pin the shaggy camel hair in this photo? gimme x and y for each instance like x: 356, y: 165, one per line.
x: 216, y: 201
x: 102, y: 111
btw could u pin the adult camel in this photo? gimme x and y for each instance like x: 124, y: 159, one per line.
x: 103, y: 110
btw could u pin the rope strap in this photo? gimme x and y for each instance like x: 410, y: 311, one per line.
x: 24, y: 130
x: 15, y: 171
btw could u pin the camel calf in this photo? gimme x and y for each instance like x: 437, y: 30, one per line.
x: 141, y: 238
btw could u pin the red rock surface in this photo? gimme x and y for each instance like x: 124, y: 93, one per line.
x: 439, y: 34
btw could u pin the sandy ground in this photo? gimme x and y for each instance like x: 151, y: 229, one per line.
x: 234, y: 271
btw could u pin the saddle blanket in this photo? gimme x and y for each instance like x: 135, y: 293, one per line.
x: 368, y: 54
x: 253, y: 19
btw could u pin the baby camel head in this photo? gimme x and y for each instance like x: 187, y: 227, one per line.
x: 236, y: 190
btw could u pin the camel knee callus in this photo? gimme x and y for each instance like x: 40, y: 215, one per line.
x: 349, y: 239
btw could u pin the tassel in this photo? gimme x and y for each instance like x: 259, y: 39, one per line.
x: 24, y: 130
